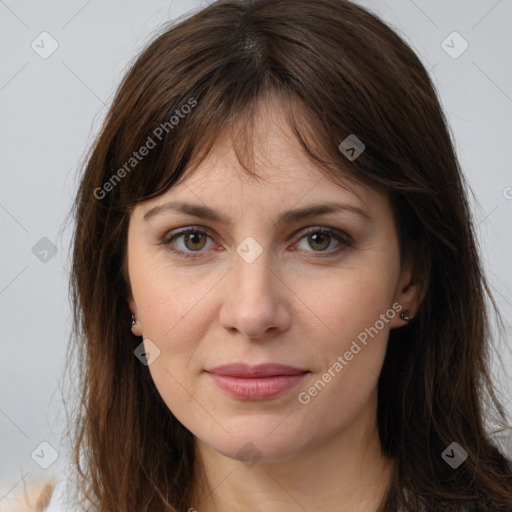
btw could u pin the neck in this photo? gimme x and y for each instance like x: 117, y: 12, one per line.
x: 346, y: 473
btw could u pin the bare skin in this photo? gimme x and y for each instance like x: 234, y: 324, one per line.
x: 302, y: 302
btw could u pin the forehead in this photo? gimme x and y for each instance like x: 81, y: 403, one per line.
x: 288, y: 189
x: 263, y: 141
x: 269, y: 147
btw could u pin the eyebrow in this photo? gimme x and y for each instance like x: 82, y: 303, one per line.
x: 286, y: 217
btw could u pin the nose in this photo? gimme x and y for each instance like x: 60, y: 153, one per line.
x: 255, y: 299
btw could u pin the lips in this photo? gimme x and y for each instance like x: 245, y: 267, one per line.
x: 260, y: 382
x: 261, y: 370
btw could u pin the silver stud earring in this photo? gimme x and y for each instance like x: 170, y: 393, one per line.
x: 404, y: 315
x: 133, y: 321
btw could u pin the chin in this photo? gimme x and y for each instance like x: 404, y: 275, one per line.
x: 251, y: 451
x: 254, y: 441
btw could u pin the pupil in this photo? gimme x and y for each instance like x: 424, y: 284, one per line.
x: 319, y: 237
x: 194, y: 239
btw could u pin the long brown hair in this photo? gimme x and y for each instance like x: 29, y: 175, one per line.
x: 350, y: 74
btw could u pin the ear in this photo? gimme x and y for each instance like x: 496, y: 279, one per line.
x: 137, y: 327
x: 410, y: 292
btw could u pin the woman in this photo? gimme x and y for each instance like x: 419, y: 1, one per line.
x: 278, y: 298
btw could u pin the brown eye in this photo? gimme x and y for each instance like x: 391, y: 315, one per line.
x: 319, y: 241
x: 188, y: 243
x: 324, y: 241
x: 194, y: 240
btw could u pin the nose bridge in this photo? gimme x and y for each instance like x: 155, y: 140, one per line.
x: 252, y: 269
x: 253, y: 303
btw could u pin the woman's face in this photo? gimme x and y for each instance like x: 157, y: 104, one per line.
x: 267, y: 284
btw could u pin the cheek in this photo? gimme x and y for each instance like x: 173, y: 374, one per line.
x: 175, y: 311
x: 165, y: 294
x: 167, y: 310
x: 174, y: 315
x: 345, y: 303
x: 351, y: 328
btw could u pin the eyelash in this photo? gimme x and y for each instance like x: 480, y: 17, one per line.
x: 341, y: 237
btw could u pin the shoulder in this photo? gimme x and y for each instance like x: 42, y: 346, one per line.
x: 58, y: 501
x: 34, y: 496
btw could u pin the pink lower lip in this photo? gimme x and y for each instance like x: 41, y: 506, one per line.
x: 256, y: 388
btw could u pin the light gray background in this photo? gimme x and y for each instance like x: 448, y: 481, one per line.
x: 51, y: 109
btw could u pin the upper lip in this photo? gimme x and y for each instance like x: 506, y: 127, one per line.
x: 260, y: 370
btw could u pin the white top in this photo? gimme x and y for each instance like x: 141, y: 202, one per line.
x: 58, y: 502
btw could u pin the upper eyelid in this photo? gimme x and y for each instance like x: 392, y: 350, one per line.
x: 185, y: 229
x: 175, y: 233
